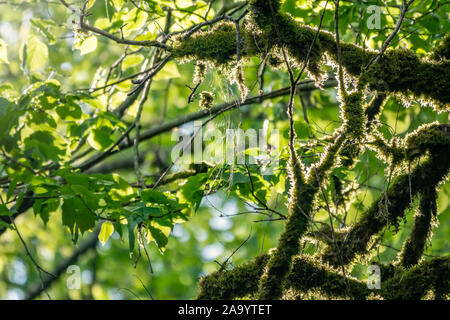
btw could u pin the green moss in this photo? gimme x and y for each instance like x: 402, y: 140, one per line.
x: 262, y: 12
x: 442, y: 50
x: 338, y: 196
x: 284, y: 32
x: 423, y: 220
x: 433, y: 137
x: 274, y: 61
x: 217, y: 46
x: 300, y: 206
x: 309, y: 274
x: 319, y: 171
x: 298, y: 40
x: 393, y: 153
x: 401, y: 72
x: 236, y: 283
x: 354, y: 58
x: 357, y: 122
x: 415, y: 282
x: 353, y: 115
x: 398, y: 72
x: 206, y: 100
x: 301, y: 198
x: 387, y: 271
x: 349, y: 153
x: 301, y: 203
x: 388, y: 209
x: 373, y: 110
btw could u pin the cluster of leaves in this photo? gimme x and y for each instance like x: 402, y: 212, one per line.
x: 40, y: 130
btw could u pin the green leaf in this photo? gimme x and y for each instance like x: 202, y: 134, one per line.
x: 133, y: 221
x: 131, y: 61
x: 85, y: 220
x: 169, y: 71
x: 143, y: 211
x: 69, y: 112
x: 100, y: 138
x: 432, y: 23
x: 118, y: 228
x: 159, y: 232
x: 69, y: 213
x: 12, y: 188
x: 19, y: 200
x: 36, y: 54
x: 42, y: 145
x: 192, y: 191
x: 105, y: 232
x: 75, y: 213
x: 6, y: 225
x: 4, y: 211
x: 88, y: 45
x: 44, y: 208
x: 102, y: 23
x: 117, y: 4
x: 237, y: 177
x: 42, y: 25
x: 154, y: 196
x: 134, y: 20
x: 244, y: 189
x: 3, y: 52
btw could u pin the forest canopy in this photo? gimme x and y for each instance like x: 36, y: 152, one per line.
x: 218, y: 149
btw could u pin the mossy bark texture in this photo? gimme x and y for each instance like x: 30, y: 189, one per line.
x: 398, y: 72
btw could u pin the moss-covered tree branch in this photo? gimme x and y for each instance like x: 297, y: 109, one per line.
x: 398, y: 71
x: 236, y: 283
x: 423, y: 220
x: 309, y: 274
x: 389, y: 208
x: 302, y: 195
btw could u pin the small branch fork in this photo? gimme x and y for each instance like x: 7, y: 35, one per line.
x: 405, y: 6
x: 120, y: 40
x: 210, y: 22
x: 262, y: 203
x: 222, y: 17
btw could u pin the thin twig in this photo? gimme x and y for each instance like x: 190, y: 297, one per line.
x: 405, y: 7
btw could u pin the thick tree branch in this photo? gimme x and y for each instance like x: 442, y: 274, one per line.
x: 390, y: 206
x: 309, y: 274
x: 397, y: 71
